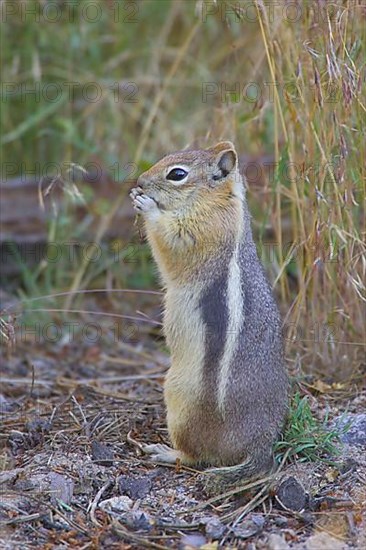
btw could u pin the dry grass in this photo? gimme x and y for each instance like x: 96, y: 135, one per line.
x: 288, y: 88
x: 300, y: 121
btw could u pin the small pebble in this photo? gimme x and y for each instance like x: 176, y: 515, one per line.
x: 134, y: 487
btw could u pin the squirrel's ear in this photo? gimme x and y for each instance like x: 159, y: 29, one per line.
x: 221, y: 146
x: 226, y: 161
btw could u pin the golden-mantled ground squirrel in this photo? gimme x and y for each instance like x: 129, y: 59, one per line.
x: 226, y: 389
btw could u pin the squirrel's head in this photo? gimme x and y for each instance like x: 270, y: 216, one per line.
x: 185, y: 176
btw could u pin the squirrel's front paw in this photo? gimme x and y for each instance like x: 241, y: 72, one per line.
x: 141, y: 202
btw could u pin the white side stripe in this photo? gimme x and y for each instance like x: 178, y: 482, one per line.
x: 235, y: 320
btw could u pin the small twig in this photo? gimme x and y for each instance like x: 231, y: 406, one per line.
x: 96, y: 500
x: 134, y: 350
x: 83, y: 291
x: 245, y: 511
x: 7, y: 330
x: 25, y: 381
x: 33, y: 379
x: 53, y: 414
x: 80, y: 384
x: 74, y: 418
x: 134, y: 442
x: 131, y: 537
x: 86, y: 423
x: 22, y: 519
x: 90, y: 312
x: 114, y: 379
x: 108, y: 427
x: 227, y: 494
x: 248, y: 507
x: 69, y: 520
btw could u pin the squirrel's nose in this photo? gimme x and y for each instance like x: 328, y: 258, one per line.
x: 141, y: 181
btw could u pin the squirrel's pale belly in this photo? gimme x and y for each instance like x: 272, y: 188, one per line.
x: 193, y: 423
x: 184, y: 331
x: 185, y: 335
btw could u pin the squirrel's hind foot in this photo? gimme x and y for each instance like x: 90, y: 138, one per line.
x: 158, y: 452
x: 162, y: 453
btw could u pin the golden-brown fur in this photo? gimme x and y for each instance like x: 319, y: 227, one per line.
x: 226, y: 389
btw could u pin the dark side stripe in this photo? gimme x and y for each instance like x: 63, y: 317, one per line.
x: 213, y: 305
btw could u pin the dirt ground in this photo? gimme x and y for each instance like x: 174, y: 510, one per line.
x: 69, y: 478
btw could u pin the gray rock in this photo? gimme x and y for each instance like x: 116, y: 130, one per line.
x: 276, y: 542
x: 7, y: 404
x: 138, y: 520
x: 356, y: 433
x: 214, y: 528
x: 281, y: 521
x: 134, y: 487
x: 324, y: 541
x: 61, y: 488
x: 102, y: 454
x: 195, y: 540
x: 249, y: 527
x: 291, y: 495
x: 116, y: 505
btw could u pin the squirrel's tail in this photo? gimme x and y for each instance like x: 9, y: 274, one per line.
x: 225, y: 477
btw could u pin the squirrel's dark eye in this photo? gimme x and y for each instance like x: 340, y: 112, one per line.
x: 177, y: 174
